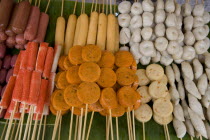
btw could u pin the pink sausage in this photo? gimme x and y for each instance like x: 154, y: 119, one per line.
x: 10, y: 42
x: 3, y: 49
x: 42, y: 28
x: 20, y: 39
x: 33, y: 23
x: 6, y: 62
x: 19, y: 47
x: 13, y: 60
x: 3, y: 73
x: 3, y: 36
x: 9, y: 73
x: 3, y: 89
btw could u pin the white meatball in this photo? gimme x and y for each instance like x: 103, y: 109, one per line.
x: 125, y: 35
x: 170, y: 6
x: 180, y: 38
x: 147, y: 19
x: 206, y: 17
x: 146, y: 33
x: 160, y: 30
x: 124, y: 7
x: 178, y: 9
x: 188, y: 23
x: 157, y: 57
x: 145, y: 60
x: 188, y: 53
x: 124, y: 20
x: 189, y: 38
x: 166, y: 60
x: 198, y: 10
x: 148, y: 6
x: 124, y: 48
x: 135, y: 51
x: 179, y: 22
x: 160, y: 16
x: 161, y: 44
x: 171, y: 20
x: 186, y: 9
x: 199, y: 33
x: 136, y: 8
x: 136, y: 35
x: 178, y: 61
x: 160, y: 5
x: 198, y: 22
x: 206, y: 27
x: 172, y: 33
x: 136, y: 22
x: 178, y: 56
x: 131, y: 43
x: 147, y: 48
x: 207, y: 41
x: 201, y: 47
x: 173, y: 47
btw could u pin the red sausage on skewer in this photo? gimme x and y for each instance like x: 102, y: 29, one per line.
x: 42, y: 28
x: 21, y: 18
x: 9, y: 31
x: 33, y: 23
x: 5, y: 12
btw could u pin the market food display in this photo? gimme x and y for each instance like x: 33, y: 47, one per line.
x: 142, y: 60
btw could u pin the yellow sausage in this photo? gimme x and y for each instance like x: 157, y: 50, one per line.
x: 60, y: 31
x: 110, y: 41
x: 117, y: 36
x: 93, y: 27
x: 70, y: 32
x: 102, y: 29
x: 77, y: 31
x: 83, y: 31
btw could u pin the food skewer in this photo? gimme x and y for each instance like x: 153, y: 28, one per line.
x: 13, y: 130
x: 76, y: 127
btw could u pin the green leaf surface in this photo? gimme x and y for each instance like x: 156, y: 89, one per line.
x: 153, y: 130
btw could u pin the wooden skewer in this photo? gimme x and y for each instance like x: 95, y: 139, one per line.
x: 10, y: 121
x: 201, y: 138
x: 130, y: 123
x: 56, y: 124
x: 76, y: 128
x: 13, y: 130
x: 27, y: 123
x: 40, y: 126
x: 60, y: 126
x: 167, y: 132
x: 117, y: 128
x: 21, y: 121
x: 1, y: 110
x: 92, y: 6
x: 180, y: 138
x: 71, y: 121
x: 89, y: 128
x: 134, y: 132
x: 45, y: 120
x: 30, y: 125
x: 80, y: 125
x: 129, y: 135
x: 111, y: 126
x: 5, y: 126
x: 166, y: 137
x: 191, y: 137
x: 17, y: 132
x: 143, y: 130
x: 107, y: 127
x: 35, y: 127
x: 47, y: 6
x: 85, y: 120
